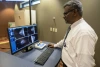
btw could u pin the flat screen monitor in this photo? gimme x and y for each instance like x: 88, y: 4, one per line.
x: 22, y: 37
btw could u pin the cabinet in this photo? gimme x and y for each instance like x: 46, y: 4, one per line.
x: 22, y: 17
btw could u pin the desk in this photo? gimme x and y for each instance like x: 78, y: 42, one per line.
x: 7, y: 60
x: 27, y: 59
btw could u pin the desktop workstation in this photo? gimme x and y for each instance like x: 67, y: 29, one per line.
x: 20, y: 38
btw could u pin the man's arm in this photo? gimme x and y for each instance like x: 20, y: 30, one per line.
x: 59, y: 44
x: 85, y: 46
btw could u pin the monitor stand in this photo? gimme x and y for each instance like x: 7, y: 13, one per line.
x: 27, y: 49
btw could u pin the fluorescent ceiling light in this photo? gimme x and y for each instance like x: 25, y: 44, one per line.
x: 25, y: 4
x: 17, y: 0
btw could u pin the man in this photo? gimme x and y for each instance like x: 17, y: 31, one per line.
x: 79, y: 42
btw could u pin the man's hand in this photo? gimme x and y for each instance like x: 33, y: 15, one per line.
x: 51, y: 45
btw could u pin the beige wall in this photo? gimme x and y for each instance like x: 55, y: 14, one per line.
x: 48, y: 9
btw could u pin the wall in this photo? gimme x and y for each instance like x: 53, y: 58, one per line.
x: 6, y: 15
x: 45, y: 11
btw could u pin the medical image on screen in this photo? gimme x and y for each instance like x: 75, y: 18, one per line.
x: 19, y: 32
x: 31, y: 30
x: 31, y: 39
x: 36, y: 37
x: 26, y: 31
x: 21, y: 37
x: 22, y: 42
x: 35, y: 29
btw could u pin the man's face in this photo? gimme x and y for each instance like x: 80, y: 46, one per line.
x: 68, y: 14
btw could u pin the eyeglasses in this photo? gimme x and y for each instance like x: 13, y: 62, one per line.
x: 65, y: 13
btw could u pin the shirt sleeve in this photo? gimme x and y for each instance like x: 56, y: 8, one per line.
x: 59, y: 44
x: 85, y: 46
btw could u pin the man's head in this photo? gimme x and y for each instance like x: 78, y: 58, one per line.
x: 72, y: 11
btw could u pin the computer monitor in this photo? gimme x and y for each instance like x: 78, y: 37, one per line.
x: 22, y: 37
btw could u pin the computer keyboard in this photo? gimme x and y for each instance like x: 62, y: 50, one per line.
x: 44, y: 56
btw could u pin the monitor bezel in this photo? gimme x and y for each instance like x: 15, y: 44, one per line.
x: 23, y: 47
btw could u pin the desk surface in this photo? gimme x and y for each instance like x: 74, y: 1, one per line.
x: 27, y: 59
x: 7, y: 60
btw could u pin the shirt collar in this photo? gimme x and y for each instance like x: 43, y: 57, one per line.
x: 76, y: 23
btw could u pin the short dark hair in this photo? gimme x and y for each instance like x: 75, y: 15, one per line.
x: 76, y: 4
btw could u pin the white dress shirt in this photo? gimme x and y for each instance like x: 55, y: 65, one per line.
x: 80, y: 45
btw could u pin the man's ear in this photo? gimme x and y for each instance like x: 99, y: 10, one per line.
x: 75, y: 12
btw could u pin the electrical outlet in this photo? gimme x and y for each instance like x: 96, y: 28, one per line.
x: 50, y: 28
x: 55, y: 29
